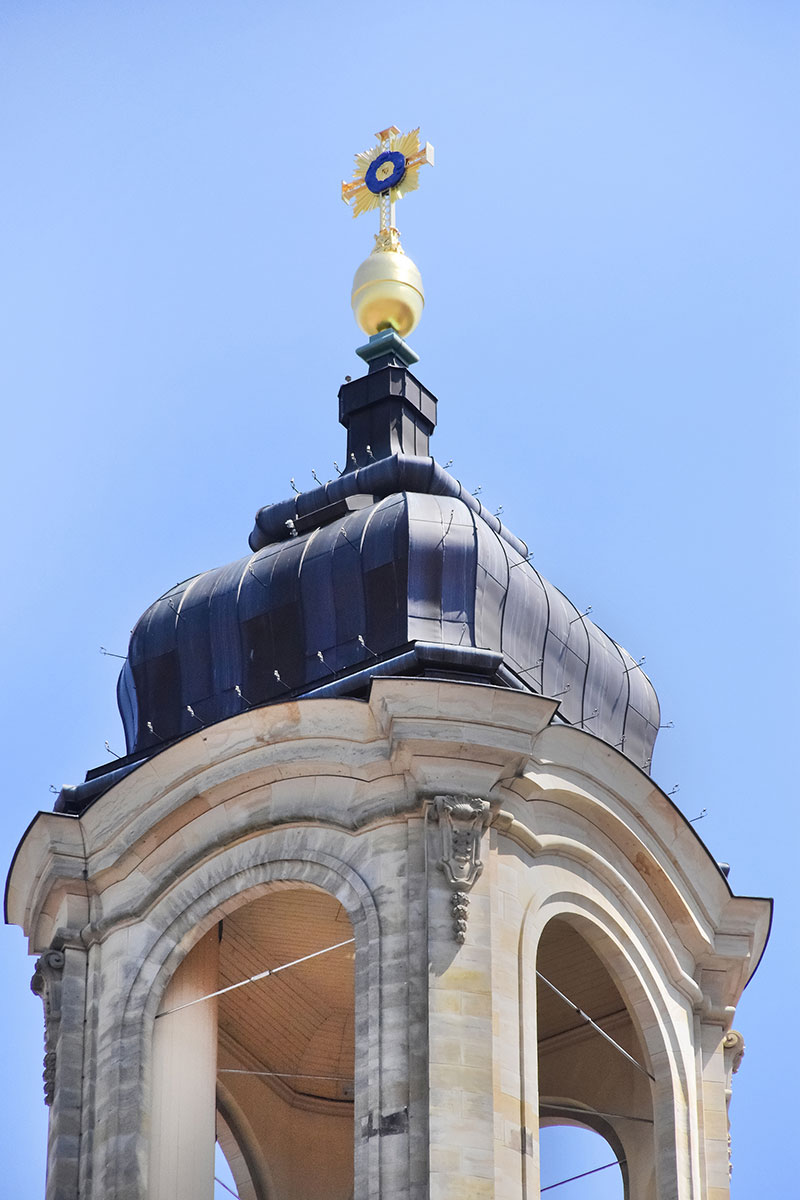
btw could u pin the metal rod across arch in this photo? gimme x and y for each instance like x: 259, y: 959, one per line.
x: 284, y: 1075
x: 222, y: 1183
x: 618, y: 1162
x: 594, y: 1112
x: 588, y: 1020
x: 254, y: 978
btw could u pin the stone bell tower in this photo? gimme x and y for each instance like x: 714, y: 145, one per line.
x: 383, y: 884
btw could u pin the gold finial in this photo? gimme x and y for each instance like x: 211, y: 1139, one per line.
x: 387, y: 290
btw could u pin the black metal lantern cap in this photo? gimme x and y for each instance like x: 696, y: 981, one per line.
x: 386, y: 412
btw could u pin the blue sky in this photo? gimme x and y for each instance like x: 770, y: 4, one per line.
x: 610, y: 253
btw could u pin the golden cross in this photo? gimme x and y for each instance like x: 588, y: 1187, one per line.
x: 384, y: 174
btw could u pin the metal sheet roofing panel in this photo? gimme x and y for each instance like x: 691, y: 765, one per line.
x: 370, y: 572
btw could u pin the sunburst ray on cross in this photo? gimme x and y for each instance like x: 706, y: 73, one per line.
x: 385, y: 174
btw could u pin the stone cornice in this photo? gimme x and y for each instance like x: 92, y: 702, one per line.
x: 353, y: 766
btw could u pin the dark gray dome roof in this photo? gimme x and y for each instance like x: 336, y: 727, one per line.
x: 391, y: 569
x: 372, y: 577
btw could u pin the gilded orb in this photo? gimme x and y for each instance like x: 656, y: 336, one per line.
x: 387, y: 293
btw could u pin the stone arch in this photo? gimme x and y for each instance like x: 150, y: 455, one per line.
x: 180, y: 917
x: 235, y: 1136
x: 594, y: 848
x: 596, y: 1124
x: 611, y: 933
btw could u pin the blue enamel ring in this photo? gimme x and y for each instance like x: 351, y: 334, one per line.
x: 376, y: 185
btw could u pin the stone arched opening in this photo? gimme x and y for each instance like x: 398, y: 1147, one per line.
x: 286, y: 1046
x: 595, y: 1074
x: 250, y: 880
x: 580, y: 1156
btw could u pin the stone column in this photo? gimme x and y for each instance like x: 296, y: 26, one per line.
x: 460, y: 1033
x: 182, y: 1128
x: 720, y: 1055
x: 637, y: 1142
x: 60, y: 980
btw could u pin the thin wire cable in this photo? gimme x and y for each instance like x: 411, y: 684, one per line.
x: 596, y: 1027
x: 284, y: 1075
x: 618, y: 1162
x: 567, y: 1108
x: 606, y: 1017
x: 227, y: 1189
x: 254, y: 978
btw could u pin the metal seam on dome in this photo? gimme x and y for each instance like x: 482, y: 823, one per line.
x: 582, y: 618
x: 626, y: 709
x: 546, y: 595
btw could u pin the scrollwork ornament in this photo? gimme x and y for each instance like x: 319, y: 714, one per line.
x: 49, y: 1076
x: 47, y: 973
x: 733, y: 1047
x: 46, y: 983
x: 459, y: 904
x: 462, y: 821
x: 733, y: 1053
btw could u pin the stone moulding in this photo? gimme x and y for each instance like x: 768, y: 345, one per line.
x: 402, y: 744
